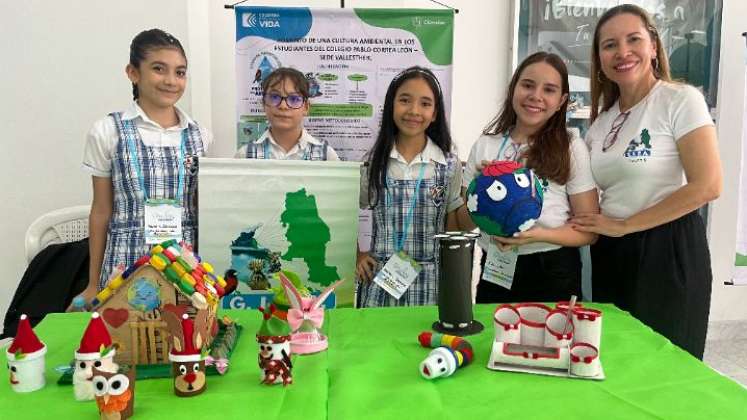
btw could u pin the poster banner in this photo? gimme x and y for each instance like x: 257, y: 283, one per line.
x: 740, y: 269
x: 258, y: 217
x: 349, y: 57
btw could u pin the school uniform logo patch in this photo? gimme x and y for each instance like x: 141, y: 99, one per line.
x: 639, y: 148
x: 437, y: 195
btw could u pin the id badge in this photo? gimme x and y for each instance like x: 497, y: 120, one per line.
x: 163, y: 221
x: 398, y: 274
x: 500, y: 266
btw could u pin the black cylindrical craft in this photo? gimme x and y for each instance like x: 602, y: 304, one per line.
x: 455, y: 314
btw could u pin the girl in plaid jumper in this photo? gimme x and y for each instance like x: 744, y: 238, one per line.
x: 412, y: 183
x: 145, y: 154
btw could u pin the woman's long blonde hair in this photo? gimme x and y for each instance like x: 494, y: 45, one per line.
x: 604, y: 89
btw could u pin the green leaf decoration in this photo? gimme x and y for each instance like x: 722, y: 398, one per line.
x: 20, y: 355
x: 105, y: 350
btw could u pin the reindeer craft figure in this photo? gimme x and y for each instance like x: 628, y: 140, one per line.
x: 274, y: 349
x: 306, y: 317
x: 187, y: 356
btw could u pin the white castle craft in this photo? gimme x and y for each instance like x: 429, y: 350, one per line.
x: 534, y: 338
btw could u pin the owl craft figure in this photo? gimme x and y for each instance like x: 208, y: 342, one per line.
x: 505, y: 199
x: 26, y: 359
x: 305, y: 318
x: 115, y: 393
x: 274, y: 349
x: 95, y: 351
x: 187, y: 356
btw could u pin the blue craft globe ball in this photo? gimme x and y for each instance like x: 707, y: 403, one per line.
x: 506, y: 203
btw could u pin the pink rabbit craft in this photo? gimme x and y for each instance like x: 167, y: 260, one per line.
x: 305, y: 318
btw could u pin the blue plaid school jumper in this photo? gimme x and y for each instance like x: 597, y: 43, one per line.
x: 313, y: 151
x: 429, y: 218
x: 125, y: 242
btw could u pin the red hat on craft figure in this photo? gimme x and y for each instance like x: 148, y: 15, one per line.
x: 94, y: 338
x: 26, y: 345
x: 188, y: 353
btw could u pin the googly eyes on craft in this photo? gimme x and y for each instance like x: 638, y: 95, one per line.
x: 496, y: 191
x: 196, y: 367
x: 100, y: 386
x: 522, y: 180
x: 118, y: 384
x: 182, y: 369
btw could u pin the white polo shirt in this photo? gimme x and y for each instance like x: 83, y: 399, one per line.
x: 297, y: 152
x: 643, y: 166
x: 101, y: 140
x: 400, y: 169
x: 556, y: 207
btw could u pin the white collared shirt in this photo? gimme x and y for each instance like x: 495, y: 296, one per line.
x: 297, y: 152
x: 101, y: 140
x: 400, y: 169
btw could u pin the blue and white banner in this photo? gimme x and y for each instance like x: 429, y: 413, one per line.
x: 349, y: 57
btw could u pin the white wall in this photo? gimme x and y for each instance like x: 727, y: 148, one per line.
x: 64, y: 67
x: 728, y: 302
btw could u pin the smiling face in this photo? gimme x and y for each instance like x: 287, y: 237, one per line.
x: 161, y: 78
x: 414, y: 108
x: 626, y: 50
x: 537, y: 96
x: 281, y: 116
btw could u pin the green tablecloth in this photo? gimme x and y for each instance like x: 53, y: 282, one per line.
x: 371, y: 372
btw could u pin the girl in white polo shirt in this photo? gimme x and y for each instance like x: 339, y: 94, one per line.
x: 655, y: 158
x: 143, y: 162
x: 531, y: 129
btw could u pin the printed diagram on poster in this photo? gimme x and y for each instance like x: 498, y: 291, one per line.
x: 349, y: 57
x: 260, y: 218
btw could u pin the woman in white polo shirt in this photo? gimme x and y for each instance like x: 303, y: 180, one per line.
x: 654, y: 157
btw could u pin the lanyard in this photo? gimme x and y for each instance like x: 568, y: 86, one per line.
x: 399, y: 242
x: 266, y: 148
x: 516, y: 148
x: 179, y: 162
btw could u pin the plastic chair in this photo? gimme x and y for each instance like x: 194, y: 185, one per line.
x: 63, y: 225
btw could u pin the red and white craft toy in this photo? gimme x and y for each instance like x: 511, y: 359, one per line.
x: 305, y: 318
x: 449, y: 353
x: 534, y: 338
x: 95, y: 350
x: 26, y: 359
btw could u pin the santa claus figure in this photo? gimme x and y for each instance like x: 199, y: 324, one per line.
x: 95, y: 351
x: 26, y: 359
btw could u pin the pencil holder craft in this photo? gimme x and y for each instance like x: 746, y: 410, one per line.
x: 305, y: 318
x: 505, y: 199
x: 455, y: 315
x: 274, y: 355
x: 188, y: 353
x: 26, y: 359
x: 115, y: 393
x: 95, y: 351
x: 557, y: 341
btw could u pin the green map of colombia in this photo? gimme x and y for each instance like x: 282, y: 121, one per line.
x: 307, y: 236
